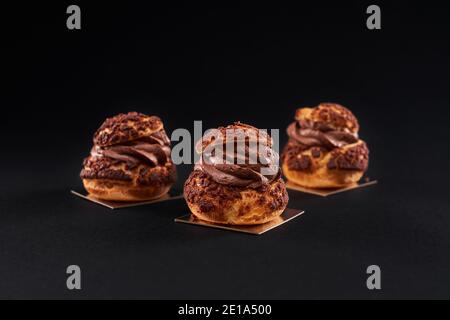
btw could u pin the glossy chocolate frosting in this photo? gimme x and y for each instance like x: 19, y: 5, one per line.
x: 313, y: 134
x: 243, y: 161
x: 153, y: 150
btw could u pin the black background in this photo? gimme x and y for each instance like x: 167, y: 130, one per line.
x: 219, y: 64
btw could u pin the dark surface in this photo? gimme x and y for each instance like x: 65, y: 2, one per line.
x: 220, y: 65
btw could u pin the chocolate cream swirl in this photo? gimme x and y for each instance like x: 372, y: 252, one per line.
x: 244, y: 161
x: 153, y: 150
x: 313, y: 134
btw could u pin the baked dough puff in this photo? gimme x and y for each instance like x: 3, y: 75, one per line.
x: 324, y: 150
x: 130, y: 160
x: 237, y: 193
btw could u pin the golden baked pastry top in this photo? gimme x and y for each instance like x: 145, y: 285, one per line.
x: 331, y: 115
x: 126, y: 127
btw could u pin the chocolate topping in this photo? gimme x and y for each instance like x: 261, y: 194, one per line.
x: 311, y: 134
x: 153, y: 150
x: 238, y: 155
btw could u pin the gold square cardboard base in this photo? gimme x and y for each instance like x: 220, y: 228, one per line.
x: 286, y: 216
x: 329, y: 192
x: 121, y: 205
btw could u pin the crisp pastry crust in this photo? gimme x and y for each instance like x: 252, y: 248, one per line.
x: 334, y: 157
x: 319, y: 168
x: 217, y: 203
x: 246, y: 129
x: 126, y: 127
x: 350, y: 157
x: 331, y: 115
x: 114, y: 180
x: 142, y: 175
x: 114, y: 190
